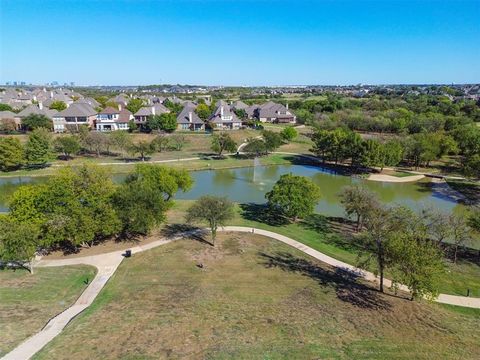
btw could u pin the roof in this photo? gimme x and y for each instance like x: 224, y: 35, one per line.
x: 7, y: 115
x: 124, y: 116
x: 147, y: 110
x: 109, y: 111
x: 76, y: 110
x: 239, y: 105
x: 272, y: 109
x: 34, y: 109
x: 217, y: 115
x: 184, y: 116
x: 88, y: 100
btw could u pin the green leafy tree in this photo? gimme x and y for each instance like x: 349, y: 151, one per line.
x: 203, y: 111
x: 358, y: 201
x: 58, y: 105
x: 289, y: 133
x: 97, y: 142
x: 255, y: 147
x: 272, y: 140
x: 67, y: 145
x: 223, y: 142
x: 11, y: 154
x: 304, y: 116
x: 38, y: 149
x: 293, y: 196
x: 241, y: 114
x: 143, y: 148
x: 392, y: 153
x: 121, y: 140
x: 5, y: 107
x: 132, y: 127
x: 18, y: 242
x: 372, y: 153
x: 134, y: 105
x: 146, y: 195
x: 213, y: 210
x: 35, y: 121
x: 169, y: 122
x: 417, y: 263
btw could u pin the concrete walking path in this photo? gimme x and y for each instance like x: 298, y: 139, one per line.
x: 108, y: 263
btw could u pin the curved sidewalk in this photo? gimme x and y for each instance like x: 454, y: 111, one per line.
x: 108, y: 263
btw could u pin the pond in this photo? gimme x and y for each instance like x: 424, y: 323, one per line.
x: 251, y: 184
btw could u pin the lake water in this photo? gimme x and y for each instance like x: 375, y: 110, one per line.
x: 251, y: 184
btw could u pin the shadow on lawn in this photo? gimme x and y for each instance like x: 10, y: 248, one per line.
x: 345, y: 283
x: 262, y: 213
x: 187, y: 231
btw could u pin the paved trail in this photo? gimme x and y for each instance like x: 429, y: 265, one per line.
x: 108, y: 263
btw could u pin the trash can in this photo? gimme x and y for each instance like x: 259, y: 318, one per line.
x: 128, y: 253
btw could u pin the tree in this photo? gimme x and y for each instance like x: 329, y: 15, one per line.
x: 169, y: 122
x: 97, y: 142
x: 255, y: 147
x: 417, y: 263
x: 241, y: 114
x: 121, y: 141
x: 177, y: 141
x: 460, y: 233
x: 358, y: 201
x: 11, y: 154
x: 67, y: 145
x: 203, y: 111
x: 8, y: 125
x: 215, y: 211
x: 272, y: 140
x: 161, y: 142
x: 18, y: 242
x: 38, y: 150
x: 304, y: 116
x: 58, y: 105
x: 143, y: 148
x: 223, y: 142
x: 132, y: 127
x: 293, y: 196
x: 134, y: 105
x: 392, y: 153
x: 35, y: 121
x: 371, y: 154
x: 146, y: 195
x: 5, y: 107
x: 74, y: 207
x: 289, y: 133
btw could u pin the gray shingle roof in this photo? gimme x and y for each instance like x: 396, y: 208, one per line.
x: 77, y: 110
x: 34, y: 109
x: 147, y: 110
x: 183, y: 117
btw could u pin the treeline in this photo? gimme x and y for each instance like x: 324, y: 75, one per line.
x: 82, y: 206
x: 415, y: 150
x: 41, y: 147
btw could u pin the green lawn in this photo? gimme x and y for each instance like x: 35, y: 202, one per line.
x: 254, y: 298
x: 328, y: 238
x: 27, y: 301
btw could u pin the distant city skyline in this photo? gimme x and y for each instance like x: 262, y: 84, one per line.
x: 239, y: 43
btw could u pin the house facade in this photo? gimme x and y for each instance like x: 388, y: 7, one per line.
x: 275, y: 113
x: 224, y: 118
x: 111, y: 119
x: 142, y: 115
x: 76, y: 115
x: 189, y: 120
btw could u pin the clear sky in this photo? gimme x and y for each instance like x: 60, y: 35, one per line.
x: 236, y: 42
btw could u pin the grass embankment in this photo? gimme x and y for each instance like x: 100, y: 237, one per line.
x: 332, y: 238
x: 254, y: 298
x: 196, y: 145
x: 28, y: 301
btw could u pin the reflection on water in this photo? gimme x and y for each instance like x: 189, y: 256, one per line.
x: 239, y: 186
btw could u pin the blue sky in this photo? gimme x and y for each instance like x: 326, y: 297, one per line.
x: 135, y: 42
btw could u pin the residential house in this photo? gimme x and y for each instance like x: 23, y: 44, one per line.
x: 275, y: 113
x: 9, y: 121
x: 110, y: 119
x: 189, y: 120
x: 35, y: 109
x: 74, y: 116
x: 224, y: 118
x: 144, y: 112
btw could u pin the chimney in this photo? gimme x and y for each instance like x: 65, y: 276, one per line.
x: 221, y: 110
x: 286, y: 106
x: 153, y: 110
x: 119, y: 107
x: 190, y: 116
x: 51, y: 94
x: 40, y: 105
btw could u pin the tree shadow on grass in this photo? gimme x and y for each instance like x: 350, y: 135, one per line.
x: 187, y: 232
x: 345, y: 283
x: 262, y: 213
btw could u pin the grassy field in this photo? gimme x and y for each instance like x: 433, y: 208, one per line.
x: 332, y: 237
x: 255, y: 298
x: 27, y: 301
x: 196, y: 145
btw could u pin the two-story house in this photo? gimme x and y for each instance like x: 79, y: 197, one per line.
x: 76, y: 115
x: 111, y: 119
x: 275, y: 113
x: 144, y: 112
x: 224, y: 118
x: 189, y: 120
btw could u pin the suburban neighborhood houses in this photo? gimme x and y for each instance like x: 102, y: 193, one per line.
x: 86, y: 111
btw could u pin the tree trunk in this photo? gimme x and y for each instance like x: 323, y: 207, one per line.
x: 455, y: 254
x: 380, y: 263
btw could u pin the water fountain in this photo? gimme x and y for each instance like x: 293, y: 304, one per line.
x: 256, y: 164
